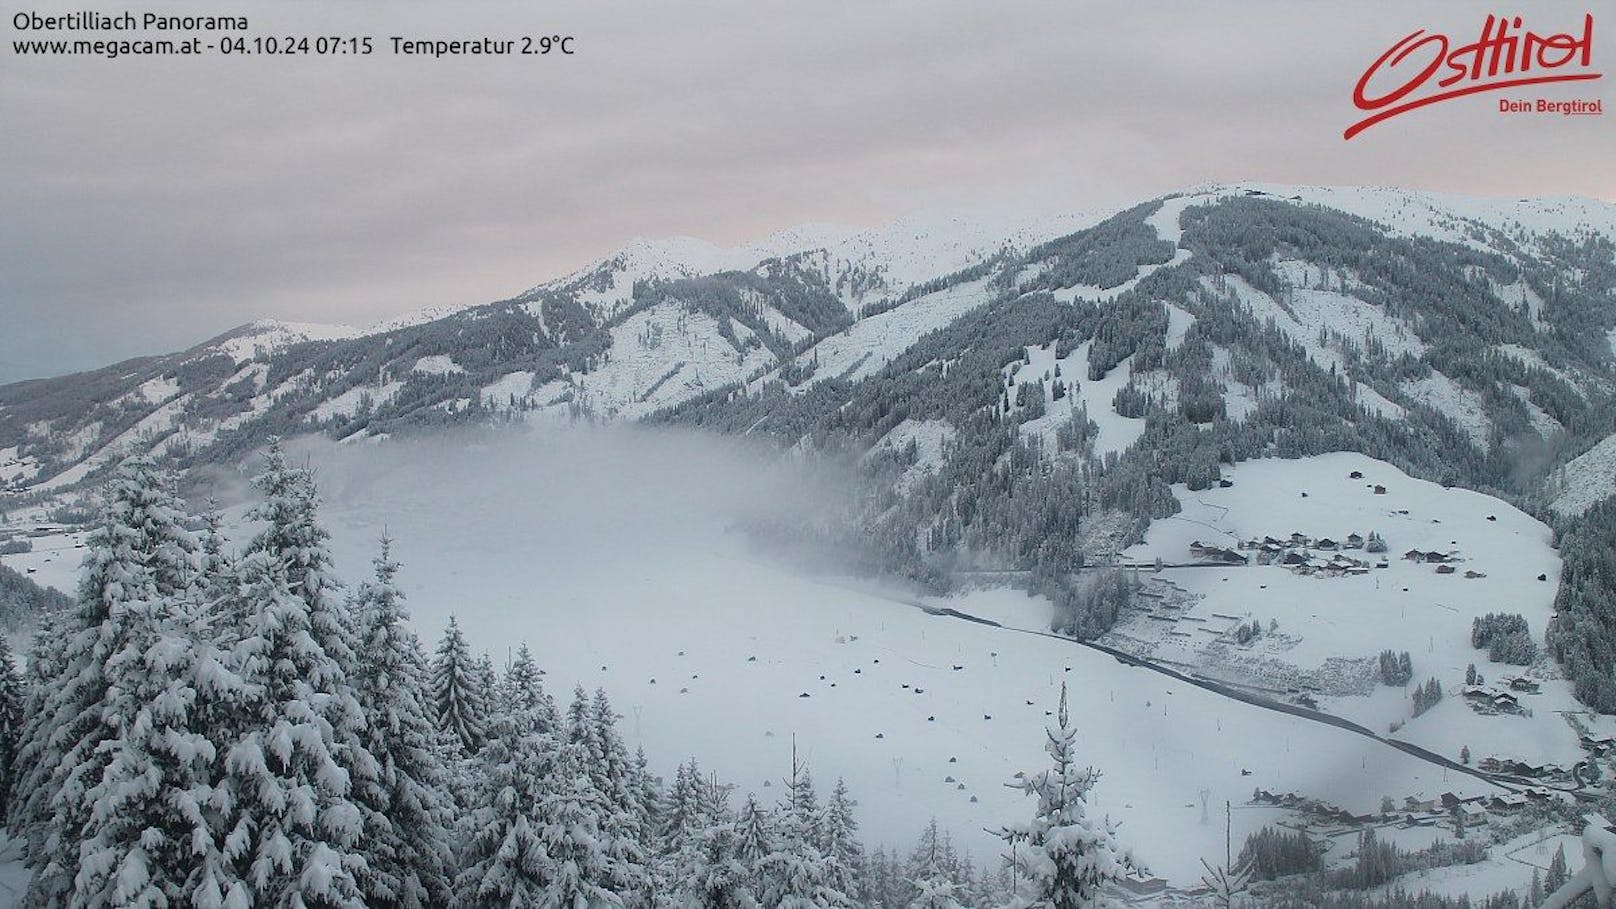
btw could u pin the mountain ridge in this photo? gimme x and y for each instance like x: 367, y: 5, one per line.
x: 659, y: 324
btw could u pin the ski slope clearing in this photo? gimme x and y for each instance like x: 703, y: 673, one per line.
x: 870, y: 344
x: 1096, y: 396
x: 1588, y: 479
x: 1331, y: 625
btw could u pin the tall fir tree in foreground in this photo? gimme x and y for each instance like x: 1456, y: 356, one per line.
x: 155, y: 818
x: 798, y: 873
x: 300, y: 780
x: 13, y: 691
x: 536, y: 836
x: 406, y: 844
x: 838, y: 840
x: 931, y: 875
x: 1066, y: 856
x: 139, y: 557
x: 503, y: 860
x: 459, y: 700
x: 612, y: 774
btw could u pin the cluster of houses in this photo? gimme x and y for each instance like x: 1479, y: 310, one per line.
x: 1503, y: 696
x: 1301, y: 553
x: 1444, y: 561
x: 1599, y: 743
x: 1319, y: 809
x: 1532, y: 770
x: 1420, y: 810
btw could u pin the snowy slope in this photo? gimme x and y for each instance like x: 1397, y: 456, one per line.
x: 266, y: 336
x: 1588, y: 478
x: 1441, y: 216
x: 1325, y: 622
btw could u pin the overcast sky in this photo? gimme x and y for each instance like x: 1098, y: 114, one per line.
x: 147, y: 204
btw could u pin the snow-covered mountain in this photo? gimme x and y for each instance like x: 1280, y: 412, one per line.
x: 662, y: 323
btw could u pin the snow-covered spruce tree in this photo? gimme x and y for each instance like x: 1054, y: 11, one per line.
x: 458, y: 699
x: 798, y: 873
x: 139, y: 555
x: 585, y: 870
x: 646, y: 792
x: 684, y: 820
x: 523, y: 691
x: 682, y: 808
x: 535, y: 837
x: 503, y: 858
x: 687, y: 863
x: 838, y: 840
x: 12, y: 694
x: 406, y: 843
x: 622, y: 823
x: 719, y: 878
x: 301, y: 783
x: 215, y: 577
x: 931, y: 876
x: 754, y: 836
x: 1065, y: 855
x: 158, y: 814
x: 46, y: 659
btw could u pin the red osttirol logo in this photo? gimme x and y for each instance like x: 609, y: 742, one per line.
x: 1424, y: 68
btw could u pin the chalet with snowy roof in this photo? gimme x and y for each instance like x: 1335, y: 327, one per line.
x: 1300, y: 539
x: 1414, y: 555
x: 1327, y: 544
x: 1507, y: 803
x: 1445, y: 569
x: 1521, y: 683
x: 1293, y: 559
x: 1354, y: 541
x: 1598, y: 742
x: 1419, y: 805
x: 1140, y: 884
x: 1380, y: 490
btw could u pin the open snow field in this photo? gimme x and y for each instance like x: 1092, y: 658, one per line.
x: 1405, y: 606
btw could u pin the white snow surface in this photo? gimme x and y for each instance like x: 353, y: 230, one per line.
x: 930, y: 437
x: 872, y: 343
x: 437, y: 365
x: 1460, y: 404
x: 1588, y: 479
x: 663, y: 355
x: 1116, y: 432
x: 268, y: 335
x: 347, y: 404
x: 1406, y: 605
